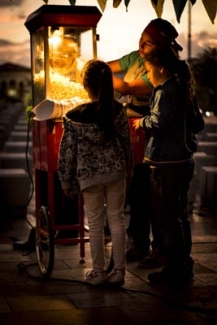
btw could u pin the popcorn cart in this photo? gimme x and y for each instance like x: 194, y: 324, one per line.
x: 62, y: 39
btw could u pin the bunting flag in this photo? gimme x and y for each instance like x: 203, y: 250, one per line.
x: 102, y: 4
x: 211, y: 8
x: 72, y: 2
x: 179, y: 7
x: 116, y: 3
x: 158, y: 7
x: 126, y: 2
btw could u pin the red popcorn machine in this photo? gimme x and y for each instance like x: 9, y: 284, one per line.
x: 62, y: 39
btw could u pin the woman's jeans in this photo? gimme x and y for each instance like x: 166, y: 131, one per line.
x: 170, y: 187
x: 112, y: 195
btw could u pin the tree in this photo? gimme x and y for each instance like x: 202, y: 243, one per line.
x: 204, y: 69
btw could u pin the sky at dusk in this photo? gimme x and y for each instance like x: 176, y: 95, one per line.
x: 119, y: 29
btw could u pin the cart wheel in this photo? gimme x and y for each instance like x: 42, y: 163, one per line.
x: 109, y: 262
x: 44, y: 242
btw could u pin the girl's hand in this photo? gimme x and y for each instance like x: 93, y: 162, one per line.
x: 136, y: 124
x: 69, y: 194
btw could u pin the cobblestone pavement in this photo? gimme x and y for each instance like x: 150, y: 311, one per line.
x: 26, y: 298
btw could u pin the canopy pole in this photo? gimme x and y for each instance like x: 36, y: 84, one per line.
x: 189, y: 29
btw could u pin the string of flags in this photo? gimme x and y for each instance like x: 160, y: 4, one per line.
x: 210, y: 6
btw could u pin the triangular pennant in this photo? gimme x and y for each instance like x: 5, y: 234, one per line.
x: 179, y: 6
x: 102, y: 4
x: 72, y: 2
x: 158, y: 7
x: 126, y: 3
x: 154, y: 2
x: 211, y: 8
x: 116, y: 3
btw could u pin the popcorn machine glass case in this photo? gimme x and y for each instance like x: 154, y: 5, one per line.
x: 62, y: 39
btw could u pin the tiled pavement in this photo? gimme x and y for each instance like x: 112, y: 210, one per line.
x: 25, y: 298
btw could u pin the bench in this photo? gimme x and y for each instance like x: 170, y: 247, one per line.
x: 211, y: 136
x: 19, y: 136
x: 203, y: 159
x: 15, y: 160
x: 16, y: 146
x: 14, y: 187
x: 208, y: 186
x: 20, y: 128
x: 209, y: 147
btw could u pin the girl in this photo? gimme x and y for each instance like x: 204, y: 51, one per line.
x: 95, y: 157
x: 172, y: 123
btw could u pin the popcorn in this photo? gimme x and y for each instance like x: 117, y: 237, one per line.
x: 60, y: 88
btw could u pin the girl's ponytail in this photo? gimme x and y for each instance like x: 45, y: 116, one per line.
x: 97, y: 78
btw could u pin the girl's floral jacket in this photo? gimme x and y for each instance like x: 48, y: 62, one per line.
x: 84, y: 158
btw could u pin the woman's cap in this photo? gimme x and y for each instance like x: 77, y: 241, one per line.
x: 163, y: 33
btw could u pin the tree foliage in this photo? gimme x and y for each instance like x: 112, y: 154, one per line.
x: 204, y: 70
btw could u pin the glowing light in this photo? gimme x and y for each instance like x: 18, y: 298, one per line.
x: 55, y: 39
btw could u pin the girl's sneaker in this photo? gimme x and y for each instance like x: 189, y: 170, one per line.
x: 116, y: 277
x: 95, y: 278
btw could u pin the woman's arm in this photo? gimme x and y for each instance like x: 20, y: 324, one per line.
x: 115, y: 66
x: 136, y: 87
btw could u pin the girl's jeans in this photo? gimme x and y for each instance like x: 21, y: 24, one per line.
x: 95, y: 198
x: 170, y: 187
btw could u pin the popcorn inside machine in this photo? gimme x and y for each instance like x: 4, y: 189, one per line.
x: 62, y: 39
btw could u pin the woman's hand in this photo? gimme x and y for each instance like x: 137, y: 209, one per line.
x: 136, y: 124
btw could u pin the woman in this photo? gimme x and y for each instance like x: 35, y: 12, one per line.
x: 95, y: 158
x: 172, y: 123
x: 136, y: 88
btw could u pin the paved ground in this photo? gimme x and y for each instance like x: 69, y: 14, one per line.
x: 25, y: 298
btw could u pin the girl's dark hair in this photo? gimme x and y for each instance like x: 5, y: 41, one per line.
x: 97, y: 77
x: 166, y: 58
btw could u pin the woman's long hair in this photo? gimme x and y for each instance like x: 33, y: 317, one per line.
x: 97, y: 77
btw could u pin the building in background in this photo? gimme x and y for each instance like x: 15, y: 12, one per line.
x: 15, y: 82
